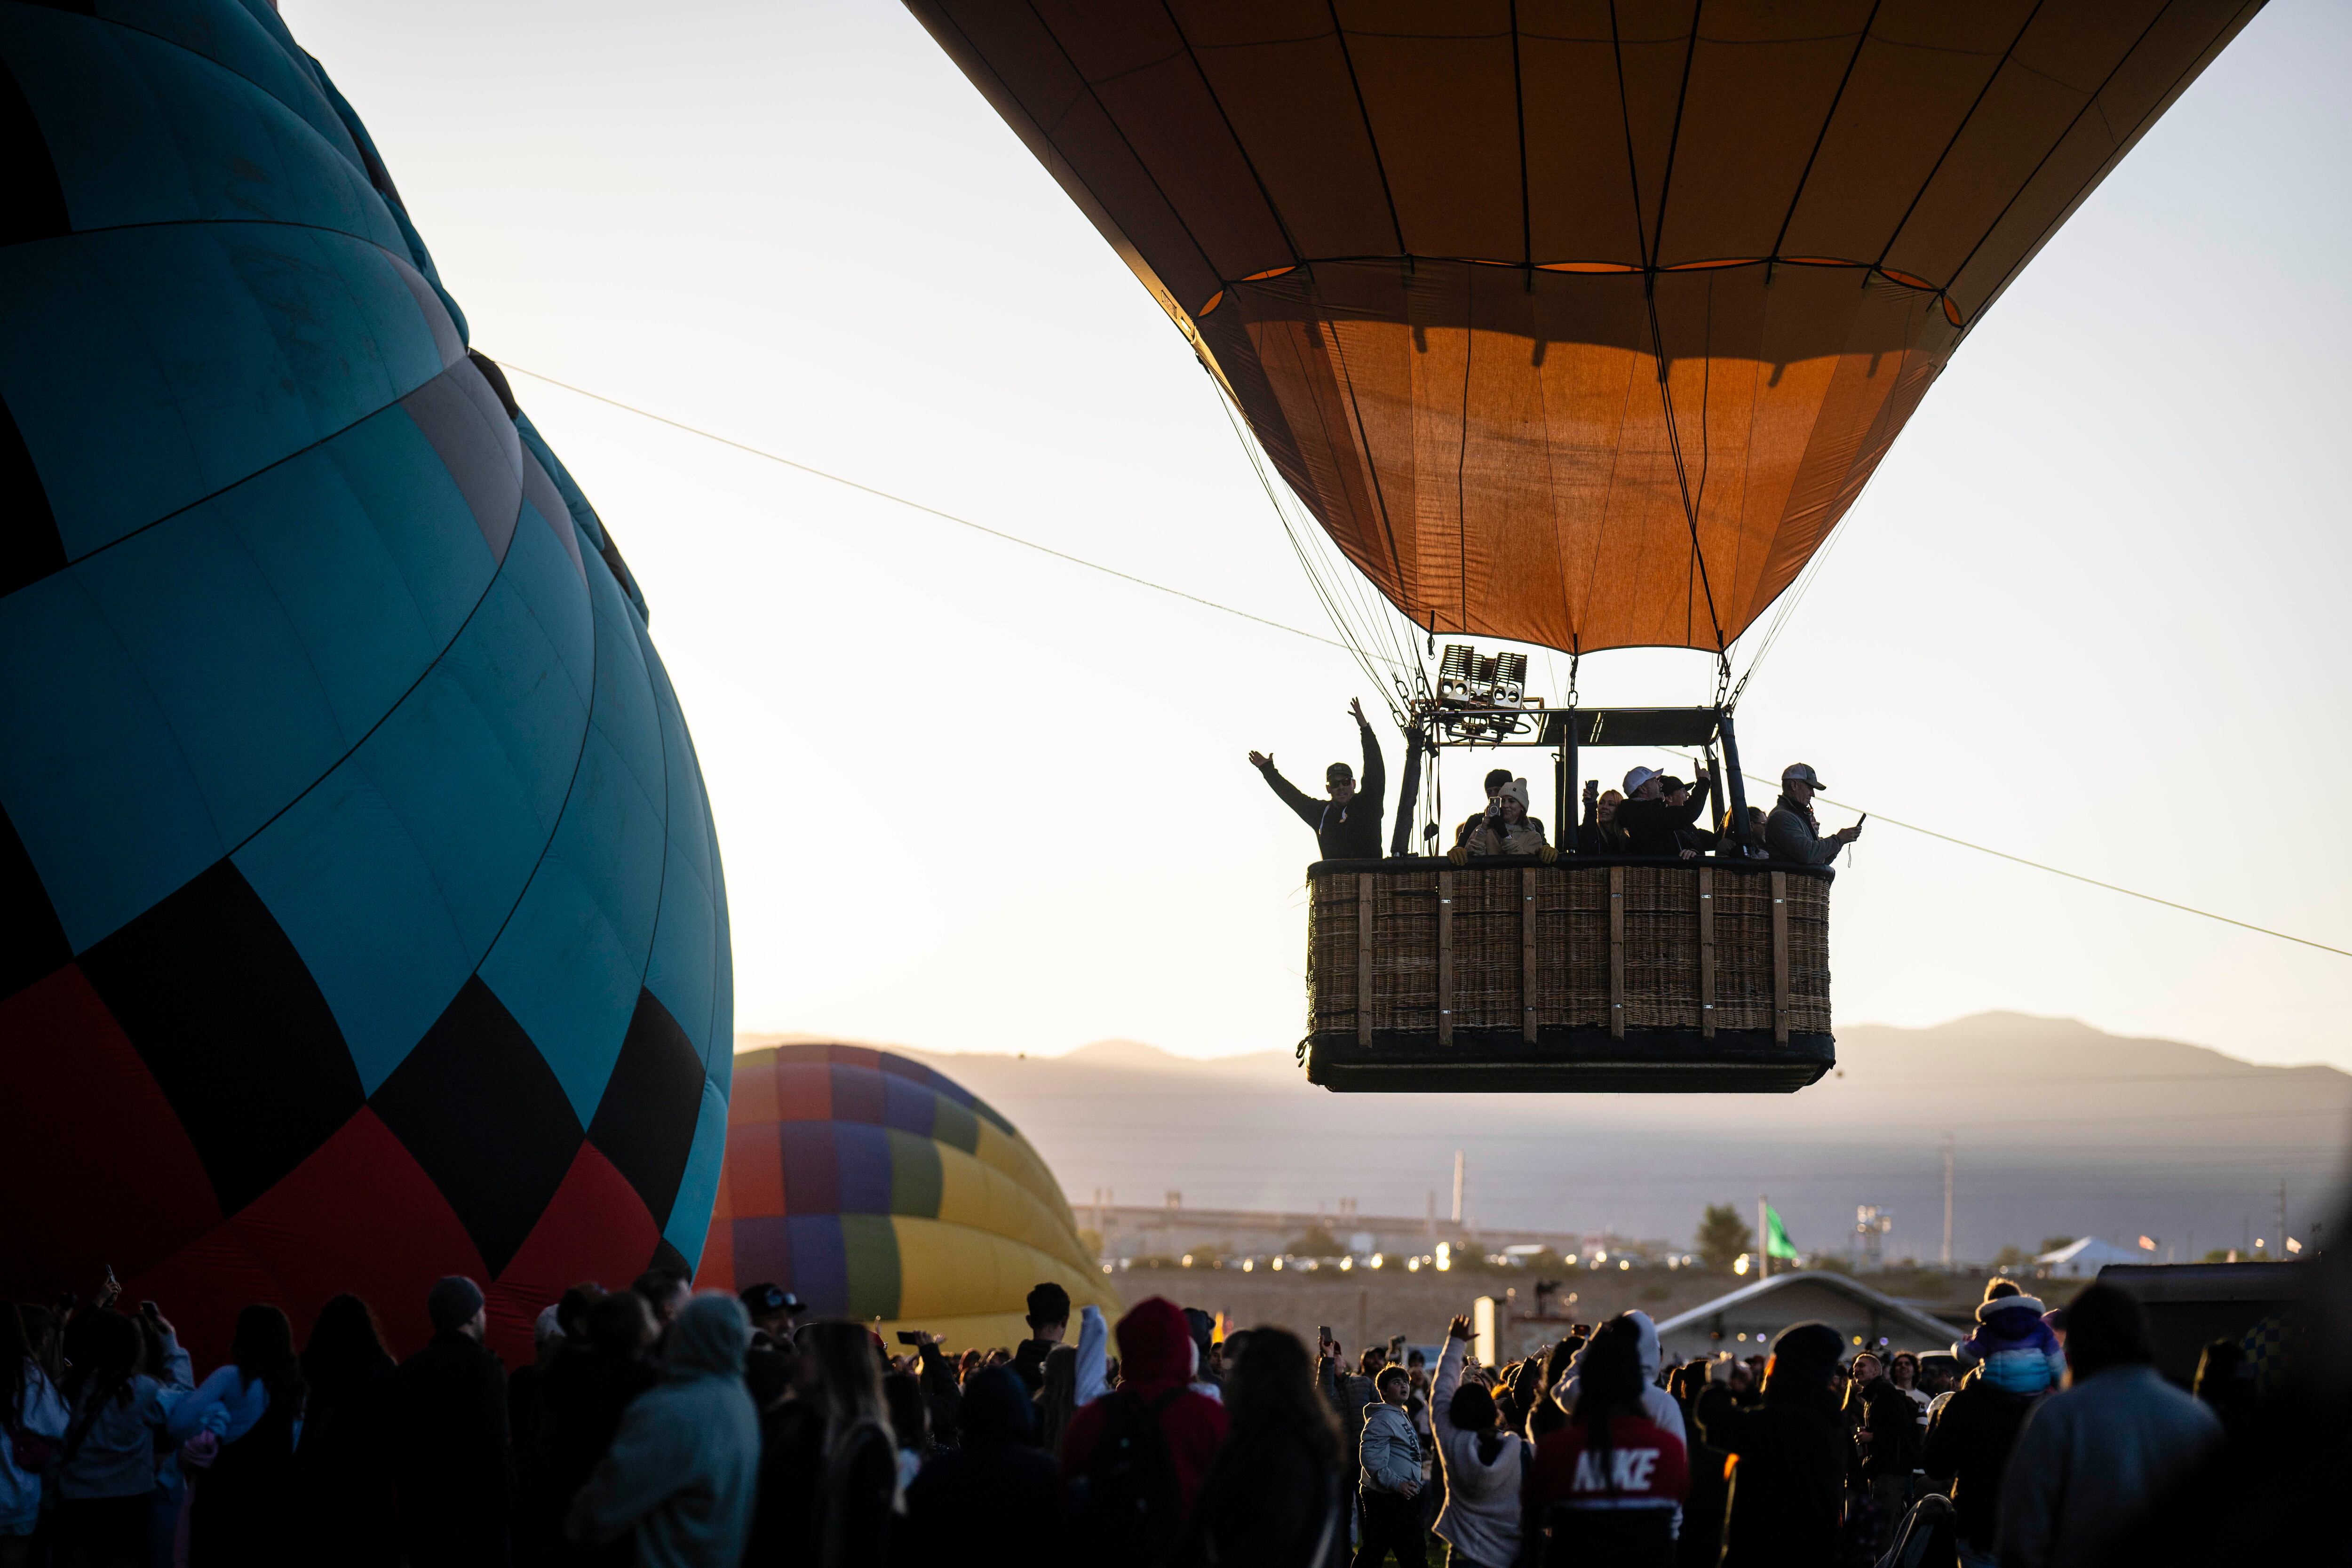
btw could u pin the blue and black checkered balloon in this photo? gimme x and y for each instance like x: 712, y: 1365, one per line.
x: 364, y: 918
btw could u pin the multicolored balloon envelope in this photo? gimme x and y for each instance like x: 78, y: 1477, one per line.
x: 876, y: 1188
x: 361, y: 916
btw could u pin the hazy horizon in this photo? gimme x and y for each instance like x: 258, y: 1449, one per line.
x: 755, y: 1039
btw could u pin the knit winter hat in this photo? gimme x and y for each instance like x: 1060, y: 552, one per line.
x: 1518, y: 790
x: 452, y: 1302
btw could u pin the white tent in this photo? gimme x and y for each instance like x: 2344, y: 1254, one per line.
x: 2082, y: 1260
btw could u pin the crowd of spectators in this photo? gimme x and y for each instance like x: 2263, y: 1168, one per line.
x: 668, y: 1429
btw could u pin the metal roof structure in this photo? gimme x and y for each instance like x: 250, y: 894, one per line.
x: 1752, y: 1309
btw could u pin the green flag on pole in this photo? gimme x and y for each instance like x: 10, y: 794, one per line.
x: 1776, y: 1237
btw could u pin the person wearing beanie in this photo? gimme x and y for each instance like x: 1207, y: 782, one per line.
x: 1789, y: 1453
x: 1506, y: 829
x: 450, y: 1461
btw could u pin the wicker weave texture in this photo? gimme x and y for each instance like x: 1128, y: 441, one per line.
x: 1489, y: 909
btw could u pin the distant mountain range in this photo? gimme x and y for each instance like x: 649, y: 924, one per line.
x: 2058, y: 1129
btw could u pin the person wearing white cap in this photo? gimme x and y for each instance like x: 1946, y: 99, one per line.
x: 1791, y: 833
x: 1506, y: 829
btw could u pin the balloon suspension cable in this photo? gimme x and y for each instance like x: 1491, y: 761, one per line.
x: 1691, y: 502
x: 1368, y: 630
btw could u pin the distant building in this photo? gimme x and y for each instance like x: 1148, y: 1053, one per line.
x: 1745, y: 1320
x: 2082, y: 1260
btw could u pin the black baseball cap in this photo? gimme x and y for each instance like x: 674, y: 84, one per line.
x: 763, y: 1301
x: 1337, y: 772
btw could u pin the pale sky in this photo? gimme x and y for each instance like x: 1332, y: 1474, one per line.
x: 971, y: 798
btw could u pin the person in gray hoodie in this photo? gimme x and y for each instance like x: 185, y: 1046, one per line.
x: 1483, y: 1464
x: 1389, y: 1481
x: 684, y: 1469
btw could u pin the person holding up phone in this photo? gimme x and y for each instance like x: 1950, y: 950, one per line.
x: 1791, y: 832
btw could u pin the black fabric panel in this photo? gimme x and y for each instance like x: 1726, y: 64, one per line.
x: 32, y: 942
x: 669, y: 1260
x: 620, y: 570
x: 497, y: 380
x: 227, y: 1018
x: 32, y: 203
x: 483, y: 1113
x: 30, y: 547
x: 645, y: 1123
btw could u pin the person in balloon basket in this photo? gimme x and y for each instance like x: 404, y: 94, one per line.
x: 1506, y: 828
x: 1791, y: 833
x: 1661, y: 814
x: 1347, y: 825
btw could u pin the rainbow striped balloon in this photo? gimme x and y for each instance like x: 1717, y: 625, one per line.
x: 878, y: 1189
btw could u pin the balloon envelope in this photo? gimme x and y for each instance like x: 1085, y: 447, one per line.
x: 876, y: 1188
x: 361, y: 915
x: 1576, y: 323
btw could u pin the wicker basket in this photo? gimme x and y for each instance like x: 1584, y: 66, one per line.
x: 1425, y: 948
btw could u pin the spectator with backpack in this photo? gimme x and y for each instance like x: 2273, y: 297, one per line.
x: 1482, y: 1463
x: 1275, y: 1495
x: 1132, y: 1461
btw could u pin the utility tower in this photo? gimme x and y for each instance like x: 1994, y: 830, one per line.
x: 1948, y: 1201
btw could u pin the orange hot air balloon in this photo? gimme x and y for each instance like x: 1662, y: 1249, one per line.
x: 1578, y: 323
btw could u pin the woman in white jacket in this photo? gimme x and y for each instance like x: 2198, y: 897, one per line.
x: 1483, y: 1464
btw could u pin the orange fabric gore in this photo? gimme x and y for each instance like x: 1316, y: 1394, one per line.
x: 1463, y: 261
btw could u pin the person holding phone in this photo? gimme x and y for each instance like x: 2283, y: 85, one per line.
x: 1791, y: 832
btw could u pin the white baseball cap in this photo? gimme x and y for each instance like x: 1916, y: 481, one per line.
x: 1638, y: 777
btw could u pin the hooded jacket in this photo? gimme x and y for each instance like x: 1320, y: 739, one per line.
x: 993, y: 1500
x: 1156, y: 1355
x: 2019, y: 1352
x: 1481, y: 1516
x: 1390, y: 1451
x: 685, y: 1466
x: 1657, y: 1402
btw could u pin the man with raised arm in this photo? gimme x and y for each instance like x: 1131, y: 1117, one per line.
x: 1347, y: 825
